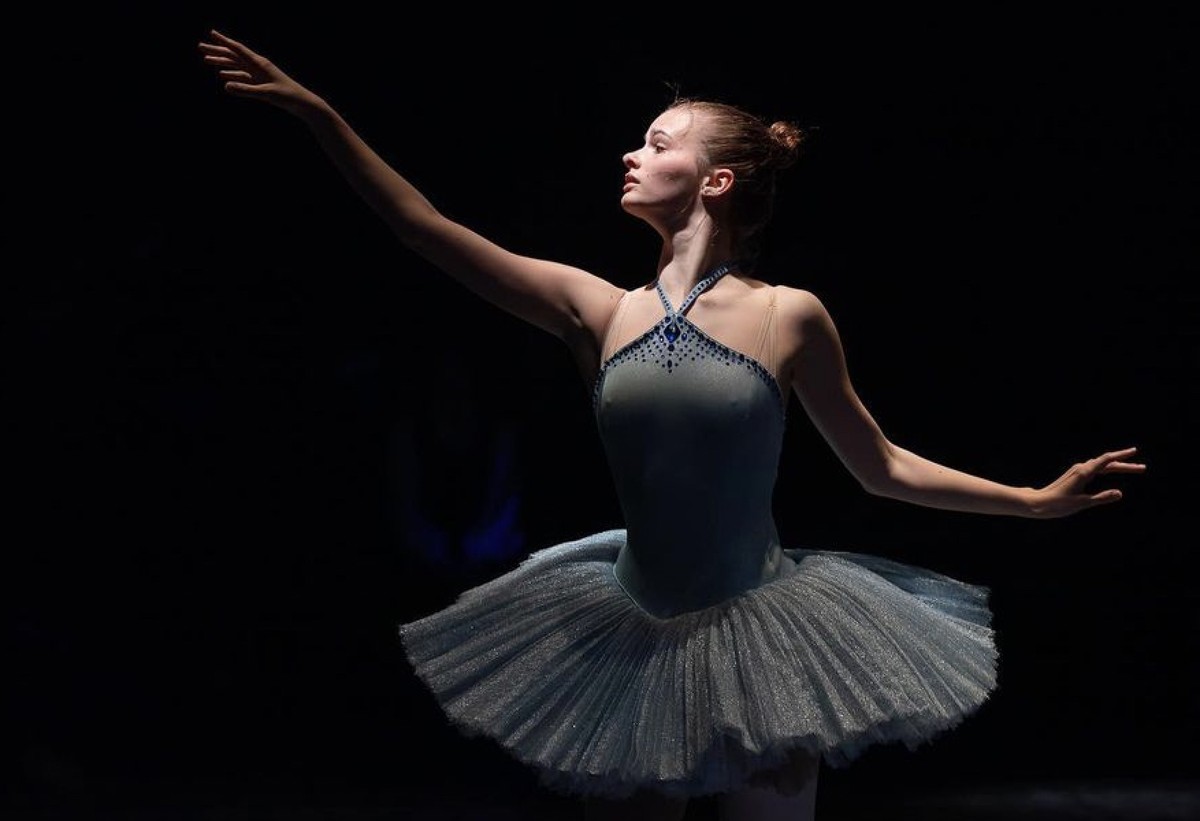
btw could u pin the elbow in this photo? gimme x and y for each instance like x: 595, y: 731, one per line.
x: 876, y: 486
x: 877, y: 476
x: 414, y: 235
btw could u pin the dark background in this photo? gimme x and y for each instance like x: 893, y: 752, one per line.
x: 251, y: 434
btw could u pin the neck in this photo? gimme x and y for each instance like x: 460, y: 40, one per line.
x: 688, y: 255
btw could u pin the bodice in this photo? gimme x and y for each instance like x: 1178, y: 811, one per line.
x: 692, y: 430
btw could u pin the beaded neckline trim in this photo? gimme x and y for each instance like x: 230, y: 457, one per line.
x: 671, y: 327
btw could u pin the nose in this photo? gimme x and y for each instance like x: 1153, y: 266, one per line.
x: 630, y: 159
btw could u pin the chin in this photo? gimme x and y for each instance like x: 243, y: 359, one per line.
x: 631, y: 204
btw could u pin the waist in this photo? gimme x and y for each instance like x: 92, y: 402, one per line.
x: 667, y: 574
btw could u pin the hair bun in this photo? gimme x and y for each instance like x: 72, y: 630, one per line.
x: 789, y: 138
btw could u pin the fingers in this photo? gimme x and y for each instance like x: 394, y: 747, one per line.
x: 232, y: 44
x: 1114, y: 462
x: 229, y: 67
x: 1116, y: 454
x: 220, y: 61
x: 238, y: 66
x: 219, y: 55
x: 1124, y: 467
x: 228, y: 49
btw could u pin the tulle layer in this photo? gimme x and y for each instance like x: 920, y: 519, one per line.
x: 556, y: 663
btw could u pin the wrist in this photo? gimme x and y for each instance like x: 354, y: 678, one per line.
x: 1032, y: 503
x: 314, y: 111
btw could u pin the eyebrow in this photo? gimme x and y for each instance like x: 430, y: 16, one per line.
x: 654, y: 132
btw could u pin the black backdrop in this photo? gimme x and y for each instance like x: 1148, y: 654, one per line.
x: 244, y: 418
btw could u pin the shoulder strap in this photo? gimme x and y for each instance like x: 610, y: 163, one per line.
x: 612, y: 331
x: 764, y: 346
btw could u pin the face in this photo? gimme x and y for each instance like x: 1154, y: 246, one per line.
x: 664, y: 176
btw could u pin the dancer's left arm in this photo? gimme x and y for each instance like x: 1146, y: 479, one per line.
x: 822, y: 382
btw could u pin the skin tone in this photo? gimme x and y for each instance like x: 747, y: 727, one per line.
x: 671, y: 186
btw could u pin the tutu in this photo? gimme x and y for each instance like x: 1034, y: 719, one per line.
x: 557, y: 663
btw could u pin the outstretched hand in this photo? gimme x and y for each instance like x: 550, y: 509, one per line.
x: 248, y: 74
x: 1069, y: 493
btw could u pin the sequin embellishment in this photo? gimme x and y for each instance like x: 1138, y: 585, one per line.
x: 675, y: 339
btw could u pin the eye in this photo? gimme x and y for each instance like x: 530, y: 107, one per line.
x: 659, y: 148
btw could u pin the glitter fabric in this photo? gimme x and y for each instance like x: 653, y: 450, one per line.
x: 690, y: 650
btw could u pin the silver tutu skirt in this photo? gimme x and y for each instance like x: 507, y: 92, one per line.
x: 558, y: 665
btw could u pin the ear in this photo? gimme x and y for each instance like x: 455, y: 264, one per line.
x: 717, y: 182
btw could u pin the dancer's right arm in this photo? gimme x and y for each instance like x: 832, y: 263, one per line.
x: 563, y: 300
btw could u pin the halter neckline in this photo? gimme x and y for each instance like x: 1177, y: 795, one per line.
x: 670, y: 328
